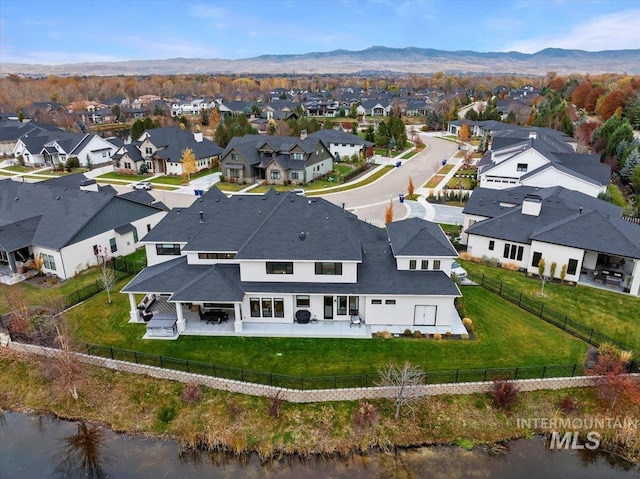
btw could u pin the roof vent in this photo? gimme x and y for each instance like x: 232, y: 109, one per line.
x: 264, y: 198
x: 309, y: 202
x: 202, y: 217
x: 292, y: 200
x: 302, y: 236
x: 57, y: 197
x: 580, y: 211
x: 217, y: 200
x: 16, y: 198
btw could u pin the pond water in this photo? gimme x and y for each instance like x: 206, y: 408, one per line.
x: 44, y: 447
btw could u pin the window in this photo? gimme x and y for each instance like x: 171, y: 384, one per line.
x: 412, y: 264
x: 266, y: 308
x: 298, y: 156
x: 573, y: 266
x: 492, y: 245
x: 536, y: 259
x: 436, y: 264
x: 95, y: 250
x: 334, y: 269
x: 376, y: 301
x: 113, y: 245
x: 135, y: 235
x: 295, y: 175
x: 353, y: 304
x: 424, y: 264
x: 233, y: 172
x: 168, y: 249
x: 278, y: 307
x: 216, y: 255
x: 389, y: 301
x: 303, y: 302
x: 275, y: 174
x: 104, y: 154
x: 48, y: 261
x: 127, y: 165
x: 342, y: 305
x: 521, y: 167
x: 234, y: 157
x: 254, y: 306
x: 279, y: 267
x: 148, y: 150
x: 513, y: 251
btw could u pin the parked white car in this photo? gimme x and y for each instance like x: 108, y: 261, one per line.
x: 458, y: 270
x: 142, y: 185
x: 298, y: 191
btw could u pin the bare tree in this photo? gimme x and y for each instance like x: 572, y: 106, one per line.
x: 106, y: 274
x: 405, y: 382
x: 67, y: 364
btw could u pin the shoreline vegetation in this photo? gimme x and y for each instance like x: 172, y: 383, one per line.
x: 210, y: 419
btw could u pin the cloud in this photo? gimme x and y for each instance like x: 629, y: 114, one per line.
x: 615, y: 31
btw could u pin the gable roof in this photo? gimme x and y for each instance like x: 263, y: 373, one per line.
x: 336, y: 136
x: 172, y: 141
x: 417, y: 237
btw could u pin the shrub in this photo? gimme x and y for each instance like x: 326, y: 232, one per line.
x: 489, y: 261
x: 464, y: 336
x: 510, y: 266
x: 437, y: 336
x: 504, y: 393
x: 469, y: 257
x: 365, y: 415
x: 21, y: 160
x: 72, y: 162
x: 568, y: 405
x: 448, y: 334
x: 417, y: 334
x: 274, y: 403
x: 167, y: 414
x: 407, y: 332
x: 383, y: 334
x: 468, y: 324
x: 192, y: 393
x: 221, y: 177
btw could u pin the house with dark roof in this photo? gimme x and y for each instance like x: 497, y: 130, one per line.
x: 263, y: 261
x: 275, y: 159
x: 581, y: 234
x: 342, y: 145
x: 64, y: 220
x: 161, y: 150
x: 375, y: 108
x: 543, y: 163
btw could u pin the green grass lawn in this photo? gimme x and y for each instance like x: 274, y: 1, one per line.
x: 224, y: 186
x: 434, y: 181
x: 409, y: 155
x: 507, y: 337
x: 614, y: 314
x: 370, y: 179
x: 18, y: 168
x: 112, y: 175
x: 63, y: 172
x: 459, y: 183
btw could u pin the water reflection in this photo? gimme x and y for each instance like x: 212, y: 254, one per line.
x: 82, y: 454
x: 40, y: 447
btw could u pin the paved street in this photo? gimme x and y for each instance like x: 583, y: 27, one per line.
x: 369, y: 202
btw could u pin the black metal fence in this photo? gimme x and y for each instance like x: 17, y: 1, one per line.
x: 330, y: 382
x: 357, y: 171
x: 551, y: 316
x: 123, y: 269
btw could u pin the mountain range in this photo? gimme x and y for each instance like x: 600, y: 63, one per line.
x: 373, y: 60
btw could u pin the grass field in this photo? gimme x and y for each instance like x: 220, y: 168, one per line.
x: 507, y: 337
x: 112, y: 175
x: 610, y: 313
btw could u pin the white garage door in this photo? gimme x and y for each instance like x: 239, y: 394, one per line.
x: 424, y: 315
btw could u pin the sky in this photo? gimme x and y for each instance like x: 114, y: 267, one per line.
x: 74, y: 31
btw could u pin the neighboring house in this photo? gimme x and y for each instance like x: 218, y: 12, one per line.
x: 513, y: 161
x: 235, y: 108
x: 53, y: 148
x: 375, y: 108
x: 263, y: 258
x: 64, y: 220
x: 342, y: 145
x: 161, y: 150
x: 275, y: 159
x: 192, y: 107
x: 523, y: 224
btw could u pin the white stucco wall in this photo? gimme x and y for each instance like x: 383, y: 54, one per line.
x: 479, y: 246
x: 57, y: 258
x: 154, y: 258
x: 344, y: 150
x: 402, y: 263
x: 468, y: 221
x: 402, y: 313
x: 303, y: 271
x: 318, y: 169
x: 553, y: 177
x: 558, y: 254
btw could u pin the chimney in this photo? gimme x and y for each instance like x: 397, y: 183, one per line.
x: 533, y: 135
x: 303, y: 134
x: 89, y: 185
x: 531, y: 205
x: 197, y: 136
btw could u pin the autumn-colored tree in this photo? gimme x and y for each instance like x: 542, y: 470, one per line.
x: 388, y: 213
x: 614, y: 100
x: 579, y: 95
x: 464, y: 132
x: 188, y: 163
x: 410, y: 187
x: 592, y: 99
x: 613, y: 384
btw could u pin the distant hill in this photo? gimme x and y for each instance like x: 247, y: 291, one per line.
x: 375, y: 59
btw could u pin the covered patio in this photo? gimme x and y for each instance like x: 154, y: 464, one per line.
x: 611, y: 273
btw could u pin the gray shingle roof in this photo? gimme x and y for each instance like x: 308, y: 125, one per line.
x: 417, y: 237
x: 172, y: 141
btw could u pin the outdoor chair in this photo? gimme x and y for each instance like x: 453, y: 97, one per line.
x: 355, y: 320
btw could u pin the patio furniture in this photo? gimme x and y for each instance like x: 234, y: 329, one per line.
x: 213, y: 316
x: 147, y: 302
x: 303, y: 316
x: 355, y: 320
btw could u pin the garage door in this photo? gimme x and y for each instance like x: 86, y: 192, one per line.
x: 424, y: 315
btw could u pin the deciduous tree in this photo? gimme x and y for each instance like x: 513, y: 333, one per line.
x: 405, y: 382
x: 106, y: 274
x: 388, y: 213
x: 410, y: 187
x: 188, y: 163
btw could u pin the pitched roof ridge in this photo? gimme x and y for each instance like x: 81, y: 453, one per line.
x: 266, y: 218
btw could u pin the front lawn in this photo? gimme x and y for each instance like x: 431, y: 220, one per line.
x: 18, y: 168
x: 614, y: 314
x: 507, y: 337
x: 112, y: 175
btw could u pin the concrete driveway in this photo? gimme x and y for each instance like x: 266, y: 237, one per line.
x: 370, y: 201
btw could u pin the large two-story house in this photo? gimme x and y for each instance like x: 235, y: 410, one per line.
x: 342, y: 145
x: 259, y: 260
x: 586, y: 235
x: 161, y: 150
x: 275, y: 159
x: 65, y: 220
